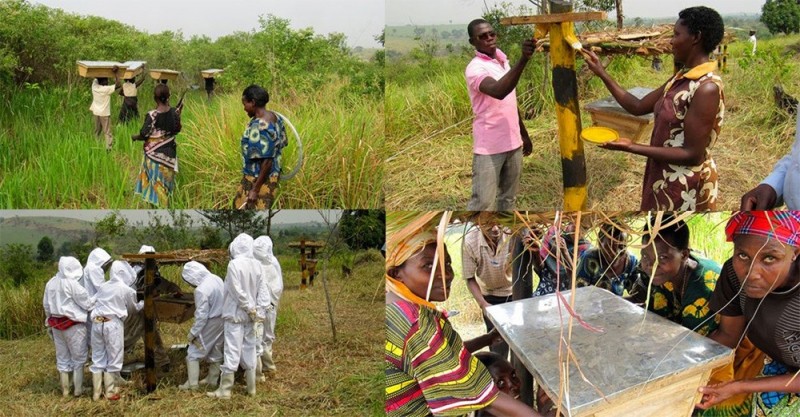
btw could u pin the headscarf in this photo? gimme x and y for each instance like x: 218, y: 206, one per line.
x: 783, y: 226
x: 69, y: 268
x: 398, y: 252
x: 242, y: 246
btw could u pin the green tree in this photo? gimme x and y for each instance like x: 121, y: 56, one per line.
x: 781, y: 16
x: 363, y: 229
x: 45, y: 250
x: 112, y: 226
x: 234, y: 222
x: 17, y: 263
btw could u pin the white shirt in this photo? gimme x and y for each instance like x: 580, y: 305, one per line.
x: 129, y: 89
x: 785, y: 176
x: 752, y: 40
x: 115, y: 297
x: 101, y: 99
x: 64, y: 296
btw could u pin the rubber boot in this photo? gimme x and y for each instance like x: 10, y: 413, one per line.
x: 64, y: 379
x: 259, y: 370
x: 97, y: 385
x: 111, y: 386
x: 225, y: 386
x: 193, y: 369
x: 213, y: 375
x: 266, y: 359
x: 250, y: 377
x: 77, y: 378
x: 119, y: 380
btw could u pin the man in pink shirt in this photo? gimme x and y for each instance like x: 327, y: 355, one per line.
x: 500, y: 137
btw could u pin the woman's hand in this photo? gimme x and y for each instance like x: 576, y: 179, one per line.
x: 717, y: 393
x: 621, y: 144
x: 593, y: 61
x: 252, y: 197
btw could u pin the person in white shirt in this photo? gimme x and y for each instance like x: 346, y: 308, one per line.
x: 130, y: 99
x: 782, y: 185
x: 752, y: 39
x: 271, y: 270
x: 244, y: 304
x: 205, y: 336
x: 101, y: 106
x: 113, y: 300
x: 66, y: 304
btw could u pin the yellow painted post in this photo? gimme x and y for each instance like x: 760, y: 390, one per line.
x: 565, y: 88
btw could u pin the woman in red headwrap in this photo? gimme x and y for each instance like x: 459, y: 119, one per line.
x: 429, y: 369
x: 758, y: 295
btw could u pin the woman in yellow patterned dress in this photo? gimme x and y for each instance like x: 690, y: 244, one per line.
x: 689, y: 108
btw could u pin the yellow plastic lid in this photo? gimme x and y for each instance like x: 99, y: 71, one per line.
x: 599, y: 135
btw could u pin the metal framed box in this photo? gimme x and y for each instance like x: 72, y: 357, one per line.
x: 608, y: 113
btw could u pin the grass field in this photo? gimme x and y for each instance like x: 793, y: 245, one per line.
x: 316, y: 376
x: 50, y: 158
x: 429, y: 141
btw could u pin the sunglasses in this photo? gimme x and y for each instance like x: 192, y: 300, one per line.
x: 486, y: 35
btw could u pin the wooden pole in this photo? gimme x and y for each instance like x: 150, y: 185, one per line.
x: 303, y: 268
x: 149, y: 325
x: 522, y: 272
x: 565, y: 89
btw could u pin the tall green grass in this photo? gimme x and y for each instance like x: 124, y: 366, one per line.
x: 50, y: 158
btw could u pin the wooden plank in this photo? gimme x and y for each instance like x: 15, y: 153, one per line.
x: 553, y: 18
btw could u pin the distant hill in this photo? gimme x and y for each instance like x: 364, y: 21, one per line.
x: 29, y: 230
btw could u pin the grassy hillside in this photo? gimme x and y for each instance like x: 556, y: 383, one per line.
x: 29, y: 230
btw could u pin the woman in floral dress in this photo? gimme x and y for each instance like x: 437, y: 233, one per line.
x: 689, y: 108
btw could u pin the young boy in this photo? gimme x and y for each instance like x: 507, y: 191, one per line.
x: 503, y: 374
x: 114, y: 298
x: 66, y: 304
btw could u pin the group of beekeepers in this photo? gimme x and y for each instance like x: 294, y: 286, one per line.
x: 234, y: 320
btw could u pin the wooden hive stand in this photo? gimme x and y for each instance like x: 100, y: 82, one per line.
x: 560, y: 25
x: 308, y: 264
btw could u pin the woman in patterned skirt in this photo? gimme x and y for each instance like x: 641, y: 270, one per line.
x: 429, y: 369
x: 689, y: 108
x: 161, y: 125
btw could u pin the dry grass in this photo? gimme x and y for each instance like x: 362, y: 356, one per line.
x: 429, y: 146
x: 316, y: 376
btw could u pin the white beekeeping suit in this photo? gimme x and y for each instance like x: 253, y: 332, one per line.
x: 139, y: 266
x: 271, y: 270
x: 243, y: 305
x: 205, y: 336
x: 94, y: 275
x: 66, y: 304
x: 113, y: 300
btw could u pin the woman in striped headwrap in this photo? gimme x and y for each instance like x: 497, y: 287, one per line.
x: 758, y: 294
x: 429, y: 369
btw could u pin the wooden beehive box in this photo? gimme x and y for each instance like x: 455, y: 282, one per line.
x: 97, y: 69
x: 638, y: 364
x: 133, y: 68
x: 608, y: 113
x: 211, y: 73
x: 170, y: 309
x: 164, y: 74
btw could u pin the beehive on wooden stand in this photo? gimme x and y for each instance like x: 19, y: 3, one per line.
x: 172, y: 309
x: 608, y: 113
x: 636, y: 362
x: 164, y: 74
x: 211, y: 73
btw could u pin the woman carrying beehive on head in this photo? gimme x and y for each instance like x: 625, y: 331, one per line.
x: 689, y: 108
x: 157, y: 176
